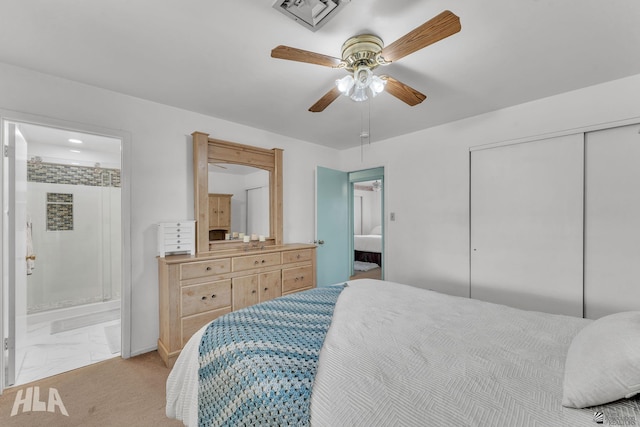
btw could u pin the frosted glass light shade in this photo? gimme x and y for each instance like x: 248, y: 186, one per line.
x: 359, y: 94
x: 361, y: 84
x: 377, y: 85
x: 345, y: 84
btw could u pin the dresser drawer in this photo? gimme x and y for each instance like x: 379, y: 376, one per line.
x: 289, y: 257
x: 178, y: 228
x: 177, y: 247
x: 191, y: 324
x: 256, y: 261
x: 192, y: 270
x: 297, y: 278
x: 177, y: 240
x: 204, y: 297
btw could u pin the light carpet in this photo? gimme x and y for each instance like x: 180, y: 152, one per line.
x: 116, y: 392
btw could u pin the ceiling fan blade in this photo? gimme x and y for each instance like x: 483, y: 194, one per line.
x: 293, y: 54
x: 403, y: 92
x: 436, y: 29
x: 324, y: 102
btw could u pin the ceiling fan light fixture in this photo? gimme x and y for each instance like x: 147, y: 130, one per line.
x: 359, y: 94
x: 345, y: 84
x: 356, y: 86
x: 377, y: 85
x: 363, y: 53
x: 362, y: 76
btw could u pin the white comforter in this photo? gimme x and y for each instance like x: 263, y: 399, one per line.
x: 396, y: 355
x: 367, y: 243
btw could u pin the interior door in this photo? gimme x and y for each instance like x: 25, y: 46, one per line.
x: 332, y: 226
x: 15, y: 249
x: 527, y: 225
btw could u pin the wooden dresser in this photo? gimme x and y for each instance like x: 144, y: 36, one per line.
x: 197, y: 289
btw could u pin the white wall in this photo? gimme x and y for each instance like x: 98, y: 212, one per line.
x: 428, y: 244
x: 371, y: 206
x: 161, y: 168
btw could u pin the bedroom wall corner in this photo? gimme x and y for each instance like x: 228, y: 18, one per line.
x: 428, y: 244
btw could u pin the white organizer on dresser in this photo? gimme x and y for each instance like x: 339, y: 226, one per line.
x: 178, y: 237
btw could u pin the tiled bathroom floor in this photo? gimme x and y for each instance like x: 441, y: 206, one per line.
x: 44, y: 354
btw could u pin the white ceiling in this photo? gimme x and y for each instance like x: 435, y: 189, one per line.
x: 213, y: 57
x: 54, y: 145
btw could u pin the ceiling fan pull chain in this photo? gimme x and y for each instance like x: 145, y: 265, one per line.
x: 365, y: 126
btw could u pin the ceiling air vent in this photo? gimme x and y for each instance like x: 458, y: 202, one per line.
x: 313, y: 14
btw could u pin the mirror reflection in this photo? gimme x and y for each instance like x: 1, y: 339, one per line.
x: 238, y: 202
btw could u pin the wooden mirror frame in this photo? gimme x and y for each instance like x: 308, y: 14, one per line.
x: 208, y: 150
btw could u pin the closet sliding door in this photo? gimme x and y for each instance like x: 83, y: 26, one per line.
x: 527, y: 225
x: 612, y: 221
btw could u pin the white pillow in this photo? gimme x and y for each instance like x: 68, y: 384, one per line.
x: 376, y: 230
x: 603, y: 362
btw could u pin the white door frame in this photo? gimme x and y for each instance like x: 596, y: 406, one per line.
x: 369, y: 174
x: 125, y: 138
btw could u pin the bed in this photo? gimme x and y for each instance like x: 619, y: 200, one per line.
x: 368, y: 247
x: 399, y: 355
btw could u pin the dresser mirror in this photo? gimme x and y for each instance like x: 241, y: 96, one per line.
x: 220, y: 176
x: 245, y: 190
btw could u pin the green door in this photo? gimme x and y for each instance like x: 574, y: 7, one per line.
x: 332, y: 226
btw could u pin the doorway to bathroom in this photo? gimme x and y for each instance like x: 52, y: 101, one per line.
x: 63, y: 253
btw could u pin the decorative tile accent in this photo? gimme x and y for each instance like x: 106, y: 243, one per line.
x: 53, y: 173
x: 59, y: 198
x: 59, y: 212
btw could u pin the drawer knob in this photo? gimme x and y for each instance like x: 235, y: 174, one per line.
x: 204, y: 298
x: 253, y: 291
x: 178, y: 236
x: 178, y: 241
x: 208, y: 268
x: 178, y: 230
x: 263, y: 261
x: 266, y: 289
x: 178, y: 247
x: 213, y: 295
x: 178, y: 224
x: 255, y: 262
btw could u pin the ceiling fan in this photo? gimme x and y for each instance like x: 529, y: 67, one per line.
x: 363, y: 53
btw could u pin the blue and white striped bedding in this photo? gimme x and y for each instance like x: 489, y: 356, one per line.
x: 400, y: 355
x: 258, y: 364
